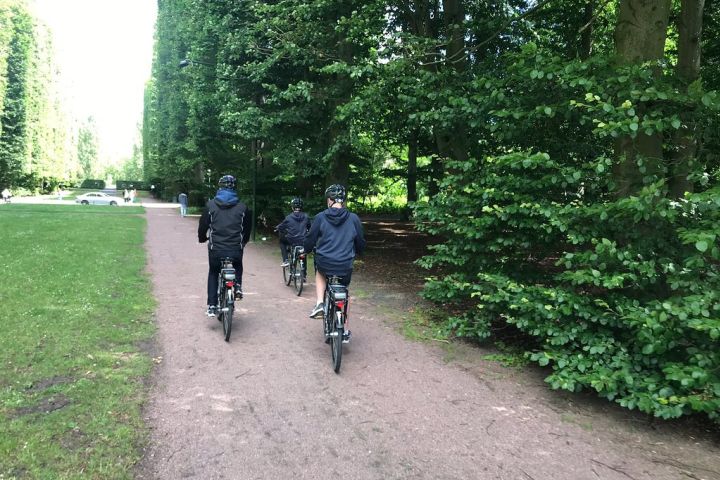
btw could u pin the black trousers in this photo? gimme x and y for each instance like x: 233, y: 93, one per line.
x: 215, y: 261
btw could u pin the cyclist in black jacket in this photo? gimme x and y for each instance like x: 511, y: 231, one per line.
x: 293, y: 229
x: 225, y: 224
x: 337, y: 236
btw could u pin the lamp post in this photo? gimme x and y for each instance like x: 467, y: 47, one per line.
x: 254, y: 150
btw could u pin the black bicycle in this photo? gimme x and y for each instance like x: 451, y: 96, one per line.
x: 226, y: 296
x: 334, y: 317
x: 296, y: 270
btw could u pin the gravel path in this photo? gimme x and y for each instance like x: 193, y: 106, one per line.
x: 267, y: 405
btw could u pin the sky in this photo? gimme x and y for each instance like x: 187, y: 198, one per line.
x: 104, y: 51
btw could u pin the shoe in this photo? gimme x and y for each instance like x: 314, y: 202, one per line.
x: 211, y: 311
x: 346, y: 336
x: 285, y: 264
x: 238, y: 292
x: 317, y: 311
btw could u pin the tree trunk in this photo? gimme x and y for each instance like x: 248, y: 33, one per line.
x: 412, y: 168
x: 586, y: 38
x: 640, y: 36
x: 411, y: 174
x: 451, y: 143
x: 454, y: 11
x: 688, y: 70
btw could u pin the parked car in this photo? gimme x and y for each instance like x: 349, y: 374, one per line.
x: 98, y: 198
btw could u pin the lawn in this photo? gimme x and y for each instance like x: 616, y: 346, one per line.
x: 75, y: 315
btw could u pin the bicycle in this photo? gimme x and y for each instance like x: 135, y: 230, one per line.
x: 335, y: 309
x: 226, y: 296
x: 296, y: 270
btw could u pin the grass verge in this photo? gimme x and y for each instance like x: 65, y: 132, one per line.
x: 75, y: 308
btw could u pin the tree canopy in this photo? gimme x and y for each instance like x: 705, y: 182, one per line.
x: 564, y: 151
x: 37, y: 136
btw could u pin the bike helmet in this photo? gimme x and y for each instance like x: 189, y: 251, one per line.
x: 227, y: 181
x: 296, y: 203
x: 336, y: 193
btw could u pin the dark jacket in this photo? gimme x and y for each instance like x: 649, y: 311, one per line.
x: 226, y: 222
x: 295, y: 227
x: 337, y: 236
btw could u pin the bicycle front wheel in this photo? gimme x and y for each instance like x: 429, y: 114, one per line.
x: 228, y: 307
x: 337, y: 338
x: 298, y: 277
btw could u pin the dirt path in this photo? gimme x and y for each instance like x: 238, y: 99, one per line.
x: 268, y: 405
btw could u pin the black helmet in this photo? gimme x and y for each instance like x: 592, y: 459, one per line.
x: 227, y: 181
x: 336, y: 193
x: 296, y: 203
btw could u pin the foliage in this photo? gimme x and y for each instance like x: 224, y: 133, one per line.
x: 569, y: 183
x: 72, y: 336
x: 36, y: 138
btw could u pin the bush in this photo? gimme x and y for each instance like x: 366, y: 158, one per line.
x: 622, y: 295
x: 131, y: 184
x: 91, y: 184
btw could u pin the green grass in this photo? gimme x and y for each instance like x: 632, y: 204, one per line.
x: 75, y: 309
x: 423, y: 324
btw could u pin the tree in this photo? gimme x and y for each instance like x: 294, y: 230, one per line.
x: 88, y: 148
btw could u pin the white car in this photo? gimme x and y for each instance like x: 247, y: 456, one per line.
x: 98, y: 198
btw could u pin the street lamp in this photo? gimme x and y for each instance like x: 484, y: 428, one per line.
x: 254, y: 150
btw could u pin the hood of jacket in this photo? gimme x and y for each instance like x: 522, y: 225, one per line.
x: 298, y: 216
x: 337, y: 216
x: 226, y: 198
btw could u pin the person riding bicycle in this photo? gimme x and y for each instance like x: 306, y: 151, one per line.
x: 293, y: 229
x: 225, y: 224
x: 337, y: 236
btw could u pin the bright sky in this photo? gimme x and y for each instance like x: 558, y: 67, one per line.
x: 104, y: 50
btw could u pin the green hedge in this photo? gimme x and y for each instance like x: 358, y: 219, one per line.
x: 91, y: 184
x: 623, y: 296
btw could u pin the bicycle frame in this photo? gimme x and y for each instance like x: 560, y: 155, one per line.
x: 226, y: 295
x: 226, y: 281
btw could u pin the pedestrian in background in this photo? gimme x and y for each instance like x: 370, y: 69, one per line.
x: 183, y: 199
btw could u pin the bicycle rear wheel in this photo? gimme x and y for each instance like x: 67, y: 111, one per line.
x: 287, y: 275
x: 337, y: 338
x: 298, y: 277
x: 227, y: 306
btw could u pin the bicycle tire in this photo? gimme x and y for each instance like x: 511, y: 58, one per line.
x: 298, y: 276
x: 287, y: 275
x: 229, y: 306
x: 337, y: 338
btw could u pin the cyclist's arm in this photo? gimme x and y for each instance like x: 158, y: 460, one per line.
x: 359, y: 236
x: 282, y: 226
x: 247, y: 226
x: 204, y: 226
x: 312, y: 236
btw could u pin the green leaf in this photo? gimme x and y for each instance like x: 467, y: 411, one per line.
x: 675, y: 123
x: 701, y: 245
x: 634, y: 127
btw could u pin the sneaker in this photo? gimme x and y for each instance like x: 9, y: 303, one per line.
x: 211, y: 311
x: 238, y: 292
x: 317, y: 311
x: 346, y: 336
x: 285, y: 264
